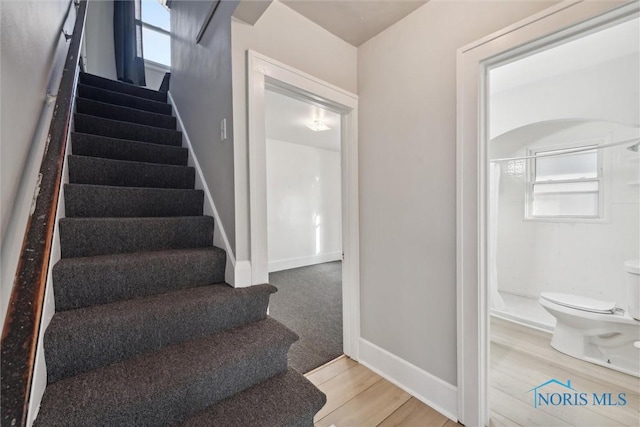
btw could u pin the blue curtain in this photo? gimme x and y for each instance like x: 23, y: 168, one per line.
x: 127, y: 36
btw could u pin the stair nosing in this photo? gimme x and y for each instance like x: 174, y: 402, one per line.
x: 106, y: 257
x: 118, y: 82
x: 122, y: 187
x: 124, y: 94
x: 126, y: 108
x: 126, y: 123
x: 137, y: 218
x: 130, y: 161
x: 129, y: 141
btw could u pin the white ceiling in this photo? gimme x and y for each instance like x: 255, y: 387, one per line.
x: 583, y: 53
x: 286, y: 119
x: 354, y: 21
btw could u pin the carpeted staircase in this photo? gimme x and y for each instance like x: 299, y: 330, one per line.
x: 146, y: 332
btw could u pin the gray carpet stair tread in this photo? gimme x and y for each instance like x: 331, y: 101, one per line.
x: 82, y: 237
x: 285, y: 400
x: 101, y: 201
x: 123, y: 173
x: 85, y: 123
x: 89, y: 338
x: 117, y: 86
x: 88, y: 281
x: 166, y: 386
x: 124, y: 114
x: 121, y: 149
x: 117, y: 98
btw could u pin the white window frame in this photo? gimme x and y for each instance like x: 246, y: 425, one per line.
x: 600, y: 179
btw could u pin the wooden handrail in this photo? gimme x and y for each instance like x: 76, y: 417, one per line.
x: 22, y: 323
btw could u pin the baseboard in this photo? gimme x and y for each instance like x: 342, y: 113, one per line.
x: 219, y: 235
x: 437, y: 393
x: 286, y: 264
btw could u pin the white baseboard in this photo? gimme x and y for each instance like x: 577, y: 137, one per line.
x: 286, y: 264
x: 219, y: 235
x: 437, y: 393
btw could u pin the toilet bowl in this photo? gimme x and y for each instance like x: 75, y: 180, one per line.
x: 598, y: 331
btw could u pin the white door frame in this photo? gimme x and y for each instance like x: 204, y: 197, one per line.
x: 261, y: 72
x: 555, y: 25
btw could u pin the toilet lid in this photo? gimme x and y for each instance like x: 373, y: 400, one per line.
x: 579, y: 302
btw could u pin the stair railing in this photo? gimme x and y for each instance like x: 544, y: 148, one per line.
x: 22, y: 323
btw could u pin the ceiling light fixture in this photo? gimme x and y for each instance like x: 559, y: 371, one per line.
x: 318, y: 125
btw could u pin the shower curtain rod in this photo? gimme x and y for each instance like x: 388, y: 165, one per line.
x: 634, y: 147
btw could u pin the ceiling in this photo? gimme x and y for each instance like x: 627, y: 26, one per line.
x: 354, y: 21
x: 582, y: 53
x: 286, y: 119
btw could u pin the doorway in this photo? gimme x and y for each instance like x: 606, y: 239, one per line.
x: 266, y: 74
x: 563, y: 222
x: 553, y: 27
x: 304, y: 224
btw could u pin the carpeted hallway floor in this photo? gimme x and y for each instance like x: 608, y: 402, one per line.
x: 309, y: 301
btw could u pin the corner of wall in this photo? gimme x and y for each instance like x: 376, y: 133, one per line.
x: 237, y: 273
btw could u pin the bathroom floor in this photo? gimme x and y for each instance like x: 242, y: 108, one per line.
x: 521, y: 358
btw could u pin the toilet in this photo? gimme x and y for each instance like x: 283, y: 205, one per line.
x: 599, y: 332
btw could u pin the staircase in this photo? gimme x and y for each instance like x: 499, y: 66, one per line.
x: 146, y: 332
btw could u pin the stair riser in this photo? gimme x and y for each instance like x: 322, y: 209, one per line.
x: 87, y: 201
x: 123, y: 130
x: 121, y: 87
x: 94, y: 171
x: 73, y: 348
x: 123, y: 114
x: 120, y: 149
x: 165, y: 387
x: 88, y: 282
x: 293, y: 402
x: 117, y: 98
x: 80, y: 237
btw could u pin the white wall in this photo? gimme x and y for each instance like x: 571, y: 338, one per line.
x: 101, y: 57
x: 33, y: 54
x: 303, y: 205
x: 286, y: 36
x: 584, y: 258
x: 407, y: 139
x: 201, y: 89
x: 154, y: 74
x: 608, y: 91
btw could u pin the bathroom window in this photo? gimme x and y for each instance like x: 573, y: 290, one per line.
x: 564, y: 183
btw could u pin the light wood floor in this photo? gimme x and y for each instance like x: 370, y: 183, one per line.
x: 522, y: 358
x: 357, y: 396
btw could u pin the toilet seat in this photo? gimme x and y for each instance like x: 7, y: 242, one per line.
x: 580, y: 303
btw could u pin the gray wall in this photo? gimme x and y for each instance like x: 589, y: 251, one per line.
x: 32, y: 56
x: 407, y: 140
x: 201, y: 89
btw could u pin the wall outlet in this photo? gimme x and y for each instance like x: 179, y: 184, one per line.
x: 223, y: 129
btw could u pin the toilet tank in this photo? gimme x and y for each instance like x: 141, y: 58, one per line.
x: 633, y: 287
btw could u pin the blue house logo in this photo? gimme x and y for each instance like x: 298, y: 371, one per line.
x: 545, y: 398
x: 569, y: 396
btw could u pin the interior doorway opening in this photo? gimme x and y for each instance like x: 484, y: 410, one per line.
x: 552, y: 27
x: 563, y: 230
x: 304, y: 224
